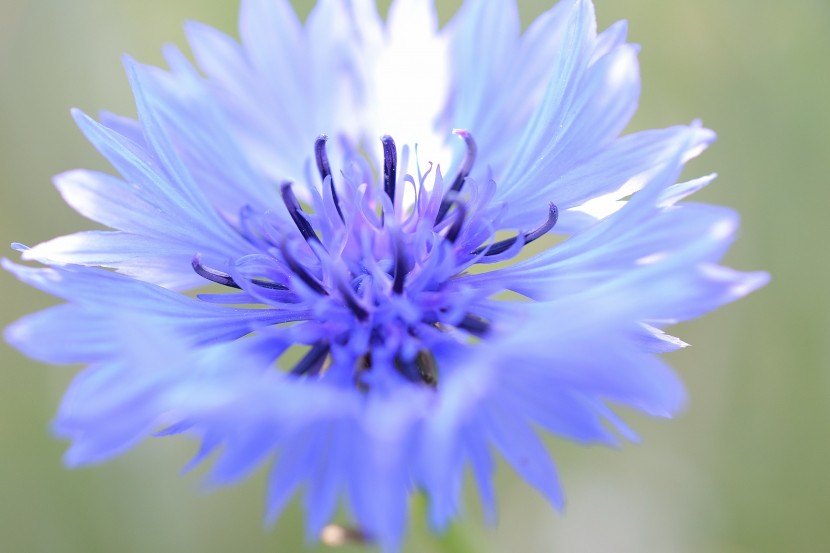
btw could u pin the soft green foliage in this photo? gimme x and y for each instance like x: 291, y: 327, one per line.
x: 742, y: 471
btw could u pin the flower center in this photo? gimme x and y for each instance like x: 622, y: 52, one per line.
x: 383, y: 279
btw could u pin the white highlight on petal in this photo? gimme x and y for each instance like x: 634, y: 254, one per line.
x: 652, y: 259
x: 723, y: 229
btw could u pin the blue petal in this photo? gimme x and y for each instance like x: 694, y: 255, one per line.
x: 127, y: 127
x: 159, y: 240
x: 112, y: 405
x: 148, y: 259
x: 604, y: 103
x: 179, y: 178
x: 543, y: 130
x: 605, y: 252
x: 243, y: 451
x: 381, y: 510
x: 84, y: 337
x: 484, y: 30
x: 329, y: 473
x: 103, y: 294
x: 610, y: 38
x: 221, y: 58
x: 483, y: 469
x: 494, y: 100
x: 272, y: 38
x: 624, y: 167
x: 152, y: 189
x: 562, y: 410
x: 117, y: 204
x: 204, y: 138
x: 521, y: 448
x: 295, y: 461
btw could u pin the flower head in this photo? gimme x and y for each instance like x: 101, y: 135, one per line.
x: 377, y: 318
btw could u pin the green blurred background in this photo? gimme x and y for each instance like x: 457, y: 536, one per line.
x: 743, y: 470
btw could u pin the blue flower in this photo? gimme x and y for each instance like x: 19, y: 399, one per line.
x: 374, y: 323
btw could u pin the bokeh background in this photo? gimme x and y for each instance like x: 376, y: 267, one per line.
x: 743, y: 470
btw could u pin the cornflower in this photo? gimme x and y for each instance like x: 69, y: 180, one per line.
x: 374, y: 325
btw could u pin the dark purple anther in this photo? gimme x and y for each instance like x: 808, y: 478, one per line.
x: 463, y: 172
x: 474, y: 325
x: 390, y: 166
x: 293, y: 206
x: 225, y: 279
x: 422, y: 369
x: 325, y: 169
x: 499, y: 247
x: 312, y: 362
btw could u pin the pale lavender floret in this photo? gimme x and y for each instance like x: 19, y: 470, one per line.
x: 382, y: 260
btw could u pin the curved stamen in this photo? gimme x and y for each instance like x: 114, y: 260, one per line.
x: 455, y: 228
x: 358, y: 310
x: 474, y: 324
x: 296, y: 212
x: 212, y: 274
x: 300, y: 271
x: 401, y: 267
x: 463, y: 172
x: 499, y: 247
x: 313, y: 361
x: 227, y: 280
x: 320, y: 155
x: 390, y: 166
x: 553, y: 216
x: 325, y: 170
